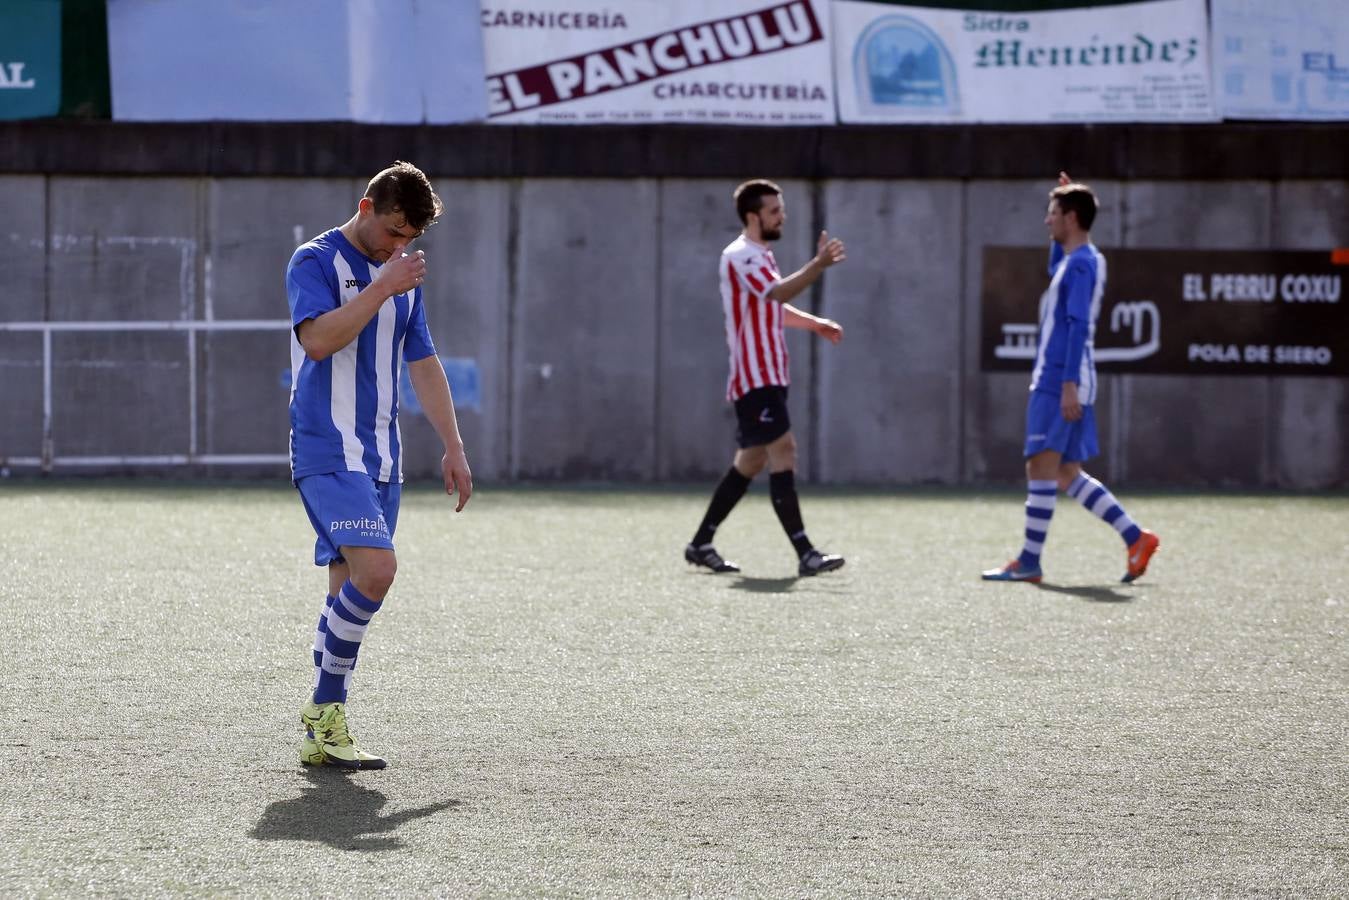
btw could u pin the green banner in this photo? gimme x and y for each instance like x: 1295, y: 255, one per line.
x: 85, y: 89
x: 30, y: 58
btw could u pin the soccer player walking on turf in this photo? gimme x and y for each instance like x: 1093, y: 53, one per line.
x: 357, y: 311
x: 1060, y: 421
x: 755, y: 299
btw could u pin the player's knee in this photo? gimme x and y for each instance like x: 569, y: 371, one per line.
x: 750, y: 461
x: 376, y: 575
x: 782, y: 453
x: 751, y: 469
x: 1067, y: 475
x: 1042, y: 466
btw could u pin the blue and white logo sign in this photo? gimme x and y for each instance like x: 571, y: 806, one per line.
x: 1074, y: 61
x: 1282, y: 61
x: 900, y: 62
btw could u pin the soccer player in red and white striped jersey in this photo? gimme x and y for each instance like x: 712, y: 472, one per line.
x: 754, y: 324
x: 755, y: 298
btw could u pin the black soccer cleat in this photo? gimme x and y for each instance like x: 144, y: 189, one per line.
x: 815, y: 562
x: 708, y: 557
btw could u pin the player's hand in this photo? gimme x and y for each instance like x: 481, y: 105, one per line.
x: 1068, y: 405
x: 1064, y: 179
x: 454, y: 470
x: 402, y: 273
x: 830, y: 330
x: 829, y: 251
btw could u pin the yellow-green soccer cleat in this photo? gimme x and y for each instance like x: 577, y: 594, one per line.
x: 327, y: 742
x: 310, y: 754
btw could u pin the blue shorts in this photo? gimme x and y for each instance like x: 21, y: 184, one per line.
x: 1047, y: 429
x: 349, y: 509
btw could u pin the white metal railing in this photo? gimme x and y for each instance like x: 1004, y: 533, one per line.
x: 190, y: 327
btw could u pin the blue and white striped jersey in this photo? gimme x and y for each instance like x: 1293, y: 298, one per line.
x: 1068, y: 312
x: 344, y: 409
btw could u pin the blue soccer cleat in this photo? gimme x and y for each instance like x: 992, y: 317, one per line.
x: 1014, y: 571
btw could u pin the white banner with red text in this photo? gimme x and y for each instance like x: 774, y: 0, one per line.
x: 728, y: 62
x: 1103, y: 62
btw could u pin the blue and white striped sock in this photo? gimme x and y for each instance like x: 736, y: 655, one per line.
x: 321, y: 635
x: 348, y: 618
x: 1102, y: 504
x: 1040, y: 497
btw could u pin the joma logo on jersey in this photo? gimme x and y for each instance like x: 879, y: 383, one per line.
x: 352, y: 282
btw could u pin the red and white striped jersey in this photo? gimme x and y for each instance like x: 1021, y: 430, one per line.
x: 754, y: 330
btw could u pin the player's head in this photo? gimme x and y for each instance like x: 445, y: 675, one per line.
x: 404, y: 188
x: 759, y: 205
x: 398, y: 206
x: 1072, y: 207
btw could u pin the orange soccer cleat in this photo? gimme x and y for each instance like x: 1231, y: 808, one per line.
x: 1140, y: 552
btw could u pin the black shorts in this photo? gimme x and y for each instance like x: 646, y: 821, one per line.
x: 761, y: 416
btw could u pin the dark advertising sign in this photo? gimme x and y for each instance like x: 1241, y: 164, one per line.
x: 30, y: 59
x: 1200, y: 312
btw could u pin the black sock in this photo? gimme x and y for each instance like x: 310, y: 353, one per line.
x: 728, y: 493
x: 782, y: 488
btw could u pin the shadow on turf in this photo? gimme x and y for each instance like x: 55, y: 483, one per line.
x: 821, y: 585
x: 763, y: 585
x: 1095, y: 594
x: 337, y: 810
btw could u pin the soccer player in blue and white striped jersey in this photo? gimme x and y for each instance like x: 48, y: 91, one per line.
x: 1060, y: 415
x: 358, y: 315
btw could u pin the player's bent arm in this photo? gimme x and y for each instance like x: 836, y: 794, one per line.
x: 1055, y: 256
x: 330, y: 332
x: 784, y: 290
x: 799, y: 318
x: 1077, y: 288
x: 433, y: 392
x: 825, y: 328
x: 323, y: 336
x: 828, y: 252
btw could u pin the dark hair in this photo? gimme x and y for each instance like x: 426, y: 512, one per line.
x: 404, y: 188
x: 1076, y: 198
x: 749, y: 197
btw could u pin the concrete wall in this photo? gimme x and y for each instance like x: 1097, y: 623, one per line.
x: 23, y: 254
x: 591, y: 309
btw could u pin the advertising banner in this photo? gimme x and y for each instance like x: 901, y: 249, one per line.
x: 396, y: 61
x: 730, y: 62
x: 1281, y: 60
x: 30, y: 58
x: 1189, y: 312
x: 1100, y: 62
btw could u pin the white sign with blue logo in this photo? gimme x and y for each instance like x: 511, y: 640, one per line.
x: 1129, y: 62
x: 1281, y: 60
